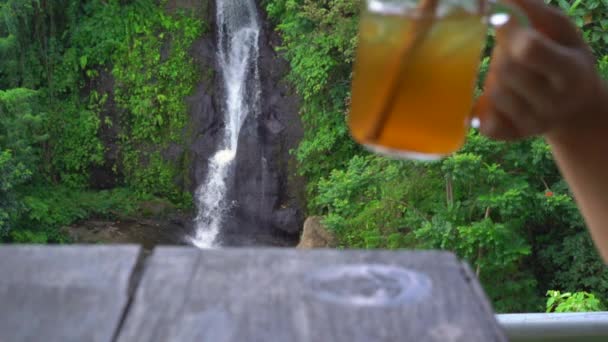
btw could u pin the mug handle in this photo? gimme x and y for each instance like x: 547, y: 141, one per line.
x: 498, y: 13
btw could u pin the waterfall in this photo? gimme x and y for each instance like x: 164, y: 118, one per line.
x: 237, y: 30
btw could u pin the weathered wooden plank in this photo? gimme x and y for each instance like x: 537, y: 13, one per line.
x: 168, y: 276
x: 320, y: 295
x: 67, y: 293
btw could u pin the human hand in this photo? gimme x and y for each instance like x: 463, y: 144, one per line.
x: 542, y: 81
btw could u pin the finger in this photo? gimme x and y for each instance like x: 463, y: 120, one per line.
x: 494, y: 125
x: 526, y: 83
x: 551, y: 22
x: 538, y: 53
x: 517, y: 110
x: 506, y: 101
x: 491, y: 123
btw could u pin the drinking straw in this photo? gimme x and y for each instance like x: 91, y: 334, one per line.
x: 419, y: 30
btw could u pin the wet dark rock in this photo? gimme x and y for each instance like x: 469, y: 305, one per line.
x: 263, y: 181
x: 205, y: 127
x: 264, y: 191
x: 145, y: 232
x: 265, y: 194
x: 287, y: 219
x: 105, y: 175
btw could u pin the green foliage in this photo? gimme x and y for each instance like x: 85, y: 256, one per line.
x: 573, y: 302
x: 60, y: 206
x: 8, y: 69
x: 603, y: 67
x: 319, y: 39
x: 591, y: 17
x: 21, y: 125
x: 477, y: 203
x: 12, y: 174
x: 27, y: 236
x: 149, y: 173
x: 363, y: 204
x: 574, y: 262
x: 48, y: 208
x: 54, y: 55
x: 148, y: 52
x: 84, y: 38
x: 79, y: 147
x: 152, y: 88
x: 45, y: 60
x: 502, y: 207
x: 20, y: 144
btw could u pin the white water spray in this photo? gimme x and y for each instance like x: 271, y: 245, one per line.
x: 238, y: 31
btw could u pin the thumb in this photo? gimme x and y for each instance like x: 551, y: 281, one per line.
x: 492, y: 123
x: 550, y: 21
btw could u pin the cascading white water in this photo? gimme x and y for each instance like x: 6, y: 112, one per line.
x: 238, y: 31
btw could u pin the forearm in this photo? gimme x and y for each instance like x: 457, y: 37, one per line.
x: 582, y: 157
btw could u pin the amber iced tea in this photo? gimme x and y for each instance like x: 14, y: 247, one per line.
x: 428, y: 116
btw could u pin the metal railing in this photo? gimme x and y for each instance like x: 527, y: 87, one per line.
x: 558, y: 327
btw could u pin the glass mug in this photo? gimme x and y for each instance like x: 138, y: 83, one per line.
x: 415, y: 72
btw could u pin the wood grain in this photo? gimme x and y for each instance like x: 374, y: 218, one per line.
x: 63, y: 294
x: 285, y: 295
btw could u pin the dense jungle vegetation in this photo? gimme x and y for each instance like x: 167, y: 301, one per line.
x: 73, y: 72
x: 89, y: 85
x: 501, y: 206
